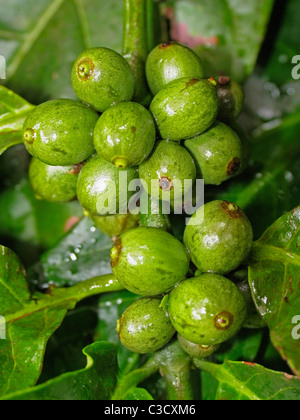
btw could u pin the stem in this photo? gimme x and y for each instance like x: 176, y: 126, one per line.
x: 175, y: 367
x: 178, y: 383
x: 207, y: 367
x: 131, y: 365
x: 156, y: 23
x: 95, y: 286
x: 131, y: 380
x: 68, y: 297
x: 84, y: 23
x: 135, y: 45
x: 135, y: 42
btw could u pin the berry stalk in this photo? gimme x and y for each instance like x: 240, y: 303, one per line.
x: 156, y: 25
x: 135, y: 45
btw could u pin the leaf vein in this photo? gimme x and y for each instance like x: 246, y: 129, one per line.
x: 31, y: 37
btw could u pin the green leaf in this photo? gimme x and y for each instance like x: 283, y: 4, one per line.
x: 227, y: 34
x: 244, y: 346
x: 279, y: 64
x: 28, y: 328
x: 31, y: 320
x: 64, y: 349
x: 251, y: 382
x: 128, y: 383
x: 209, y: 386
x: 138, y: 394
x: 274, y: 279
x: 13, y: 111
x: 96, y: 382
x: 38, y: 62
x: 82, y: 254
x: 28, y: 220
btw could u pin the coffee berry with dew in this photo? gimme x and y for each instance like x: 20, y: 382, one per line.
x: 81, y: 149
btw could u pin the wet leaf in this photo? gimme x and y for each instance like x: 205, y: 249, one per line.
x: 27, y: 328
x: 251, y: 382
x: 28, y: 225
x: 30, y: 320
x: 245, y: 346
x: 227, y: 34
x: 286, y: 31
x: 64, y: 349
x: 138, y: 394
x: 94, y: 383
x: 13, y: 111
x: 274, y: 279
x: 81, y: 254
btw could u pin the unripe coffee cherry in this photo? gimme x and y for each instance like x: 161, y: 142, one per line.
x: 56, y: 184
x: 102, y: 78
x: 99, y: 185
x: 60, y: 132
x: 218, y: 154
x: 219, y: 237
x: 207, y: 310
x: 145, y: 327
x: 125, y: 134
x: 196, y: 350
x: 166, y: 171
x: 185, y: 108
x: 171, y: 61
x: 149, y: 261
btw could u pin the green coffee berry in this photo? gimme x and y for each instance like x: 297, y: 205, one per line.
x: 166, y: 170
x: 125, y: 134
x: 145, y: 327
x: 55, y: 184
x: 99, y: 185
x: 218, y: 154
x: 185, y: 108
x: 149, y: 261
x: 231, y: 98
x: 219, y: 237
x: 115, y: 224
x: 197, y: 351
x: 102, y: 78
x: 60, y: 132
x: 171, y: 61
x: 207, y: 310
